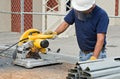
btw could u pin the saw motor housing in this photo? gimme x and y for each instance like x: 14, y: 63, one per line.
x: 32, y: 42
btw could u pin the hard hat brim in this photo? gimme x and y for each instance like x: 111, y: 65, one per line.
x: 81, y: 8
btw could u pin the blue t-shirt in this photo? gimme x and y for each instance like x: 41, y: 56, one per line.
x: 86, y: 31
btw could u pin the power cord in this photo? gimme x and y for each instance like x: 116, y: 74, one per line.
x: 11, y: 46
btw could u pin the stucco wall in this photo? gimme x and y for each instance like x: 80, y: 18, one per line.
x: 37, y: 19
x: 109, y: 7
x: 5, y: 19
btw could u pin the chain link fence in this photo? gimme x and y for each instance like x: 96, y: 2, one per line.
x: 20, y: 21
x: 20, y: 15
x: 15, y: 18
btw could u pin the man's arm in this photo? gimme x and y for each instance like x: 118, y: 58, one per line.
x: 99, y: 44
x: 62, y: 27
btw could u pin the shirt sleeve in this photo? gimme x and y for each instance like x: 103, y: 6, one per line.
x: 70, y: 17
x: 103, y: 23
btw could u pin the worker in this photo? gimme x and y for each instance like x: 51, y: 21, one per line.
x: 91, y: 24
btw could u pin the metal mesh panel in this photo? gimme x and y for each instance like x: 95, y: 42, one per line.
x: 68, y: 5
x: 52, y: 5
x: 15, y: 18
x: 116, y: 7
x: 27, y: 17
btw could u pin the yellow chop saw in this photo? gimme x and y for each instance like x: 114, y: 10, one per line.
x: 32, y: 51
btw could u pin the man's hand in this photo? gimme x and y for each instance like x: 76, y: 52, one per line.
x: 93, y: 58
x: 49, y: 32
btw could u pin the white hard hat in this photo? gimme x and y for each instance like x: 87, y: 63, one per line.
x: 82, y: 5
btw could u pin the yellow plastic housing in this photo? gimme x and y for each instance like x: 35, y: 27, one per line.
x: 26, y: 34
x: 36, y: 37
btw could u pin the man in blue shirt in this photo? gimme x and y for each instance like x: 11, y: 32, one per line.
x: 91, y: 23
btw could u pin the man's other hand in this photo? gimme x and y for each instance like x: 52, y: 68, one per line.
x: 49, y: 32
x: 92, y: 58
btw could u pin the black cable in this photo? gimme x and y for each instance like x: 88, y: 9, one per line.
x: 13, y: 45
x: 17, y: 42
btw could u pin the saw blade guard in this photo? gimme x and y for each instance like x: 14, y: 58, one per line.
x: 33, y: 41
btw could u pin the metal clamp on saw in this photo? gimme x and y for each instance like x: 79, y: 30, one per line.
x: 27, y: 52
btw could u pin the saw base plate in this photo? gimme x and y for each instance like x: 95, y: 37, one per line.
x: 30, y: 63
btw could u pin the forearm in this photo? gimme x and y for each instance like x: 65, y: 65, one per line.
x: 62, y: 27
x: 99, y: 45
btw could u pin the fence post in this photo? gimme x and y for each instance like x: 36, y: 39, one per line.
x: 43, y: 17
x: 22, y: 16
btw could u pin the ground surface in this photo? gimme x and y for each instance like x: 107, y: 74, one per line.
x: 10, y: 71
x: 68, y: 46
